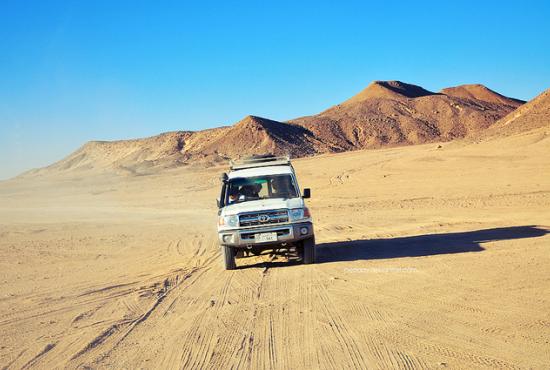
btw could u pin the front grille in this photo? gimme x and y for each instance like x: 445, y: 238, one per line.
x: 264, y: 218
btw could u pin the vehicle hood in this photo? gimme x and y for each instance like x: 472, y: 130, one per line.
x: 262, y: 204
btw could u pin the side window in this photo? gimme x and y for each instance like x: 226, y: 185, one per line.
x: 232, y: 193
x: 223, y: 195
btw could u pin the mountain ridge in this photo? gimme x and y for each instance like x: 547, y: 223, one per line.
x: 533, y: 115
x: 389, y: 89
x: 385, y: 113
x: 480, y: 92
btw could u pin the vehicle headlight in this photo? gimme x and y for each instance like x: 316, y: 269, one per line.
x: 229, y: 221
x: 297, y: 214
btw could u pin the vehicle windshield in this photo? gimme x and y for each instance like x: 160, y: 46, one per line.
x: 261, y: 187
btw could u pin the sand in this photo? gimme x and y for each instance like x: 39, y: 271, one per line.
x: 428, y: 257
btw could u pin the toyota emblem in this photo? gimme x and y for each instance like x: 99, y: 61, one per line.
x: 263, y: 218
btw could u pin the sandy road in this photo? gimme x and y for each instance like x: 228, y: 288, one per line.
x: 279, y: 315
x: 426, y: 259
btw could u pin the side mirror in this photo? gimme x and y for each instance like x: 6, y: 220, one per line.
x: 307, y: 193
x: 218, y: 202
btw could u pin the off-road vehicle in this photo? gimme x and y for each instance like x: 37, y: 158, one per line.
x: 261, y: 209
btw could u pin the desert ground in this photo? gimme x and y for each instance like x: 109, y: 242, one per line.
x: 428, y: 256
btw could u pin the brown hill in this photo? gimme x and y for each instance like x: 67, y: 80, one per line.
x: 480, y: 92
x: 126, y: 155
x: 251, y: 135
x: 395, y: 113
x: 385, y: 113
x: 388, y: 90
x: 533, y: 115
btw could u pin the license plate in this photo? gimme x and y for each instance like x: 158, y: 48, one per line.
x: 265, y: 237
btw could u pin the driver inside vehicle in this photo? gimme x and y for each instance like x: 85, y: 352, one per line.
x: 233, y: 195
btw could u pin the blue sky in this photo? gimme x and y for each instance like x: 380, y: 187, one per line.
x: 75, y: 71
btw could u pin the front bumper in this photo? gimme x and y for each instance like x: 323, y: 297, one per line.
x: 287, y: 233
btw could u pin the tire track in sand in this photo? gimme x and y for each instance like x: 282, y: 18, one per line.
x: 103, y: 345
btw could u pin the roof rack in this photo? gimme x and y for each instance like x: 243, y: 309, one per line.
x: 259, y: 161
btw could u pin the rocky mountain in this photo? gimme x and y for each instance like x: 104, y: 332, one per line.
x: 251, y: 135
x: 533, y: 115
x: 396, y: 113
x: 480, y: 92
x: 386, y: 113
x: 163, y: 150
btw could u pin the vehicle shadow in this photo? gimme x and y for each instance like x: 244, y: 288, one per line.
x: 268, y: 264
x: 421, y: 245
x: 242, y: 263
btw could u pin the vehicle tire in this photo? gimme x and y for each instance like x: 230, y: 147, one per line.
x: 228, y: 254
x: 308, y: 251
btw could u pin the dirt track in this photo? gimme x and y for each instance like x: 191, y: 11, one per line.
x: 427, y: 258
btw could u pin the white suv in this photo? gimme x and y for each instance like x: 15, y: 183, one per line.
x: 261, y: 208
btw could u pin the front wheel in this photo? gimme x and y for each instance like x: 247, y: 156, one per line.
x: 228, y: 255
x: 308, y: 246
